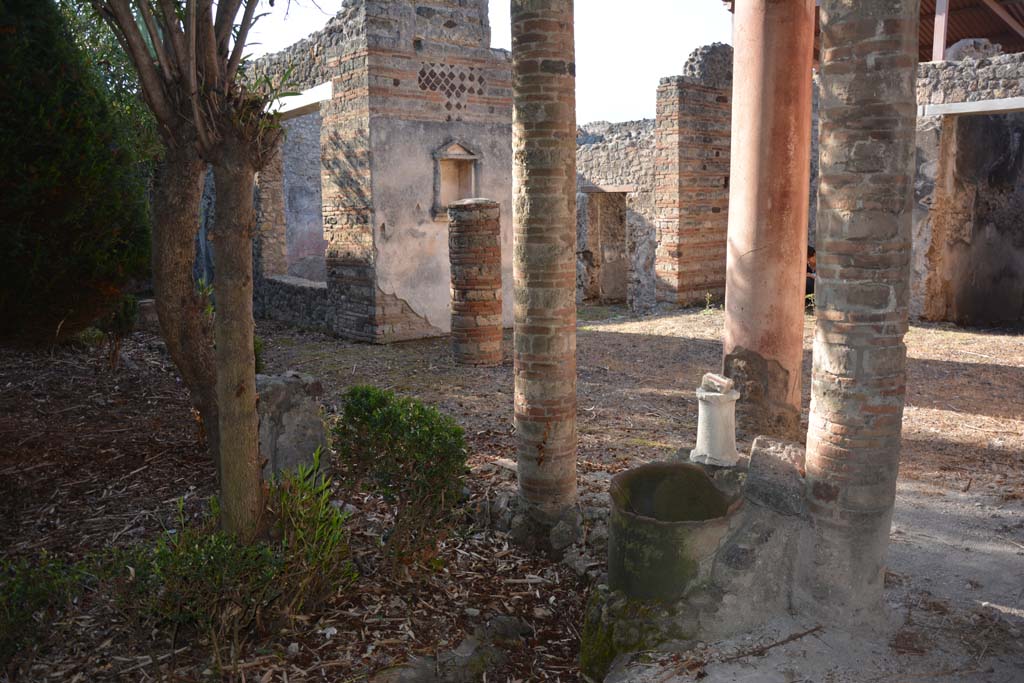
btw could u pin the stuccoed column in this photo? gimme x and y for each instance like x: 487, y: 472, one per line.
x: 474, y: 248
x: 768, y: 185
x: 868, y: 119
x: 544, y: 259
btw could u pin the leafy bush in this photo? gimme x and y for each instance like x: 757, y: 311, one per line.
x: 201, y: 580
x: 313, y: 536
x: 206, y: 581
x: 72, y: 193
x: 408, y: 452
x: 30, y: 593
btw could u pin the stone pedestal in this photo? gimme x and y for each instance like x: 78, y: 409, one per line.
x: 716, y: 423
x: 474, y: 247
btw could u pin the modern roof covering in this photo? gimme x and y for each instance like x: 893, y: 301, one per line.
x: 1001, y: 21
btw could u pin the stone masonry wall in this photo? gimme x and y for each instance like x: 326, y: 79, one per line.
x: 391, y: 62
x: 315, y: 60
x: 622, y: 154
x: 303, y: 197
x: 971, y: 80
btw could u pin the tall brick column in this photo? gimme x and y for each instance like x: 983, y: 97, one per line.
x: 868, y: 117
x: 769, y: 180
x: 544, y: 259
x: 474, y: 247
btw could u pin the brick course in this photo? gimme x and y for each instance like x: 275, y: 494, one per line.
x: 544, y: 207
x: 868, y: 113
x: 474, y: 247
x: 692, y: 141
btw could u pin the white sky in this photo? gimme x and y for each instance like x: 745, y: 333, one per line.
x: 620, y: 53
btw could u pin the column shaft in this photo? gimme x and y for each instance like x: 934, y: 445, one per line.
x: 544, y: 259
x: 868, y: 118
x: 474, y: 248
x: 769, y: 180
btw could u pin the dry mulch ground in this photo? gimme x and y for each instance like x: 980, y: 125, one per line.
x: 91, y: 458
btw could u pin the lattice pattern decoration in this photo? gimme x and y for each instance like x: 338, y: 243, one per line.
x: 455, y: 82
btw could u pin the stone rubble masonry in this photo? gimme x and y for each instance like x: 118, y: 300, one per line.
x: 544, y: 220
x: 692, y: 142
x: 474, y: 247
x: 868, y: 116
x: 622, y: 154
x: 971, y: 80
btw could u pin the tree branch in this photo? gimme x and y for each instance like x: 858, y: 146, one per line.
x: 119, y: 16
x: 213, y: 70
x: 191, y: 75
x: 169, y: 10
x: 154, y: 36
x: 243, y: 34
x: 226, y: 12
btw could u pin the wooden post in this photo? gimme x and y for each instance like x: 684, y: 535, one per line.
x: 939, y: 35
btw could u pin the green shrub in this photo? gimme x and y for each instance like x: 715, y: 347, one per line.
x: 314, y: 539
x: 30, y: 594
x: 200, y: 580
x: 205, y: 581
x: 408, y: 452
x: 72, y: 193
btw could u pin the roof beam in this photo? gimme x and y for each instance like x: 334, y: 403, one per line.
x: 939, y: 34
x: 1001, y: 12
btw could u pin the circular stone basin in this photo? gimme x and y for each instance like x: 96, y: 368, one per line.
x: 666, y: 519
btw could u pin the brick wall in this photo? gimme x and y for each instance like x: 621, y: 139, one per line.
x: 691, y: 189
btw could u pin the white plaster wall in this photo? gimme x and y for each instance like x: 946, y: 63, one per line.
x: 411, y: 248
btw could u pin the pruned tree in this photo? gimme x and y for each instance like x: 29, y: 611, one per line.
x: 188, y: 54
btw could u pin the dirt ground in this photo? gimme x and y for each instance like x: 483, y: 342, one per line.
x: 91, y: 458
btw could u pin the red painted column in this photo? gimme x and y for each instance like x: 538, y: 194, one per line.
x: 768, y: 187
x: 544, y: 258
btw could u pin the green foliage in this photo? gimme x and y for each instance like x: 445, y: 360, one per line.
x: 408, y: 452
x: 200, y: 580
x: 257, y: 347
x: 207, y: 582
x: 30, y: 595
x: 114, y: 69
x: 72, y: 193
x: 313, y: 536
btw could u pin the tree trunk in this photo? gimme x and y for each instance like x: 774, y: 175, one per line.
x: 186, y: 328
x: 241, y: 489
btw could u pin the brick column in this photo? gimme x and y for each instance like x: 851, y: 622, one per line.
x: 271, y: 234
x: 474, y: 247
x: 544, y: 258
x: 691, y: 189
x: 769, y: 180
x: 868, y: 113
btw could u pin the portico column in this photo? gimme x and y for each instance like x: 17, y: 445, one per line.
x: 768, y: 187
x: 544, y: 259
x: 868, y: 121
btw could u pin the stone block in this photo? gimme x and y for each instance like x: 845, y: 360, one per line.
x: 291, y: 428
x: 776, y: 476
